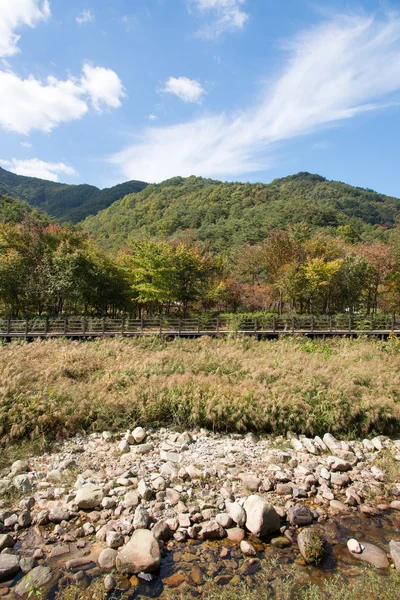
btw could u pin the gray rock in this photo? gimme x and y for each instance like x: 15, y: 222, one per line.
x: 236, y: 512
x: 338, y: 464
x: 114, y: 539
x: 141, y: 554
x: 394, y: 548
x: 172, y: 457
x: 57, y: 514
x: 250, y: 482
x: 6, y: 541
x: 261, y: 517
x: 35, y: 580
x: 110, y: 583
x: 142, y: 449
x: 27, y: 563
x: 331, y: 442
x: 107, y: 559
x: 300, y: 515
x: 340, y: 479
x: 24, y: 519
x: 131, y: 499
x: 172, y: 496
x: 89, y: 496
x: 224, y: 520
x: 212, y: 531
x: 144, y: 490
x: 162, y: 531
x: 141, y: 518
x: 22, y: 483
x: 9, y: 566
x: 372, y: 555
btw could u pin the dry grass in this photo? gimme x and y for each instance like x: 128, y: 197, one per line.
x: 55, y: 388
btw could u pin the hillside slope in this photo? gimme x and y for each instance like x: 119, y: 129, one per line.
x: 224, y: 215
x: 13, y: 210
x: 65, y: 202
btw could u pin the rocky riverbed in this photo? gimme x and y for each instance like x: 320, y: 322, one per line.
x: 177, y: 510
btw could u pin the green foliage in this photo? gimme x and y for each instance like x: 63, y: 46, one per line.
x: 66, y: 202
x: 227, y: 215
x: 51, y: 269
x: 13, y: 210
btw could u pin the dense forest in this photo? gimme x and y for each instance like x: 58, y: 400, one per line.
x: 65, y: 202
x: 342, y: 255
x: 225, y: 215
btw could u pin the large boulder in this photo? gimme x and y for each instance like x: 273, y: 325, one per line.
x: 89, y: 496
x: 9, y: 566
x: 35, y: 580
x: 140, y: 554
x: 261, y: 516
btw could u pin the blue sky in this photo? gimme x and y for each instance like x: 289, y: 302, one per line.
x: 93, y: 91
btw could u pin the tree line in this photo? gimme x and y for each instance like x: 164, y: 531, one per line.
x: 49, y: 269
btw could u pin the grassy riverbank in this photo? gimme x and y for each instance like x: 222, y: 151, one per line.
x: 55, y: 388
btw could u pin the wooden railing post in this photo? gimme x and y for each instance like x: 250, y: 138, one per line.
x: 274, y: 324
x: 198, y: 325
x: 255, y: 325
x: 84, y: 326
x: 180, y: 325
x: 330, y: 324
x: 293, y: 325
x: 8, y: 325
x: 160, y: 325
x: 122, y: 325
x: 46, y: 325
x: 141, y: 324
x: 218, y: 324
x: 65, y: 326
x: 312, y: 323
x: 103, y: 326
x: 350, y: 323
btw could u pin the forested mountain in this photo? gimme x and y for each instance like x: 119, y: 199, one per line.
x: 13, y: 210
x: 224, y: 215
x: 65, y: 202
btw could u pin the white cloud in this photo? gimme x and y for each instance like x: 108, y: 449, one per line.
x: 15, y: 14
x: 338, y: 69
x: 86, y: 16
x: 26, y: 144
x: 32, y: 104
x: 38, y: 168
x: 186, y: 89
x: 152, y: 117
x: 103, y: 86
x: 228, y: 16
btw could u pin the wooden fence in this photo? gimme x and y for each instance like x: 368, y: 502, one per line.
x: 85, y: 327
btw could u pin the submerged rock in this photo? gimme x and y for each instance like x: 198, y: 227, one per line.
x: 372, y: 555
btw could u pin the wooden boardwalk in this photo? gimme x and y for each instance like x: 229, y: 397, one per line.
x: 264, y: 327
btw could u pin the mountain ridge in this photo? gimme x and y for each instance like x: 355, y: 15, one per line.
x: 64, y: 201
x: 225, y: 214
